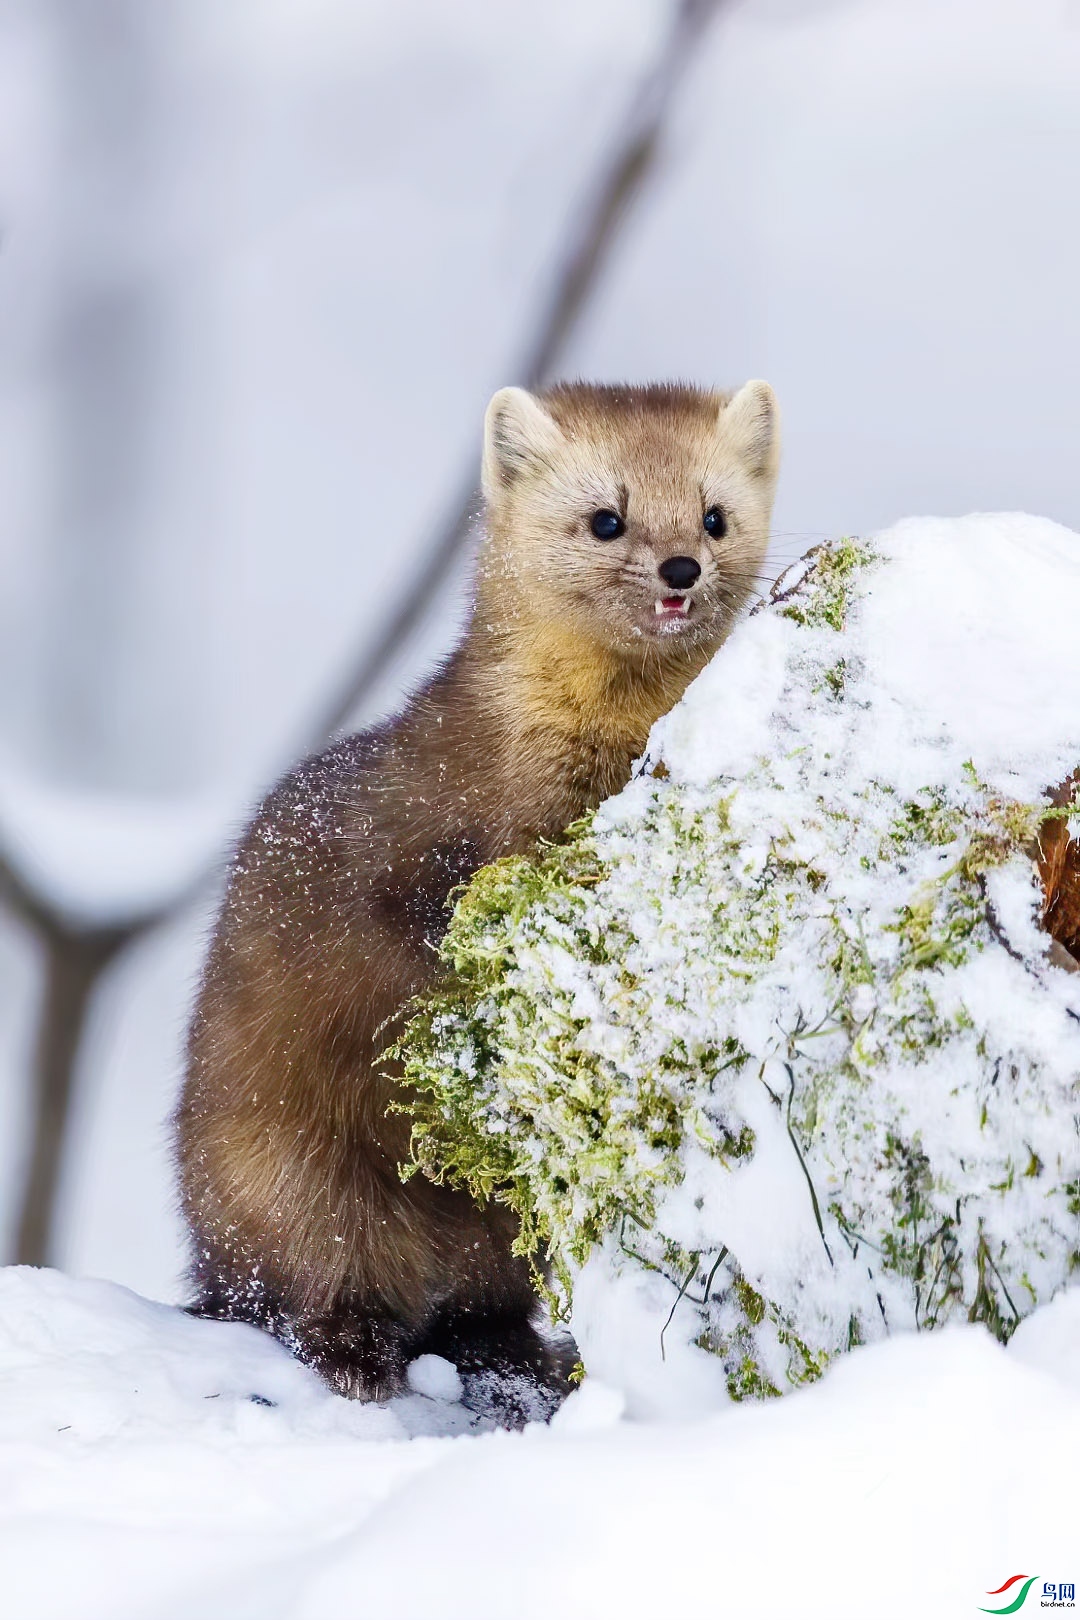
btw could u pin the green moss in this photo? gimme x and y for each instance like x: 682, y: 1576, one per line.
x: 510, y: 1102
x: 748, y: 1322
x: 927, y: 819
x: 751, y: 1301
x: 747, y: 1382
x: 831, y: 587
x: 478, y: 1054
x: 835, y: 679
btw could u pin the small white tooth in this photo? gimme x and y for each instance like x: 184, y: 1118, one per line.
x: 658, y: 606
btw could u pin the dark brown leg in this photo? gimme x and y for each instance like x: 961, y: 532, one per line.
x: 360, y: 1353
x: 510, y: 1372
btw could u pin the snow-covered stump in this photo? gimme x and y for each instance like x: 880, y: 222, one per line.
x: 779, y: 1052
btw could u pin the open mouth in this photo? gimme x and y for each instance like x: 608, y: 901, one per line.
x: 672, y: 611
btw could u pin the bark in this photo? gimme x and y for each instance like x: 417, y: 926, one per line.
x: 73, y: 965
x: 1059, y: 868
x: 75, y: 957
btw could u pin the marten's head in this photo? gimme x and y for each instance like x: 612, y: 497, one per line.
x: 636, y: 518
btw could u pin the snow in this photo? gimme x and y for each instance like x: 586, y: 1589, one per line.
x: 958, y: 652
x: 967, y: 645
x: 156, y: 1467
x: 139, y: 1481
x: 975, y: 639
x: 1050, y: 1339
x: 435, y: 1377
x: 776, y: 1058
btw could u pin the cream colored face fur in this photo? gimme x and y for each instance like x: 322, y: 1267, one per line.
x: 660, y: 457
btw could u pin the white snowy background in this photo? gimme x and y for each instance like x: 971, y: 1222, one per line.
x: 261, y: 265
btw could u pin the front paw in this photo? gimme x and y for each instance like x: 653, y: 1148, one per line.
x: 360, y: 1356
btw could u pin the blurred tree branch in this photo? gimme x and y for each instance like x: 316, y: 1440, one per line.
x: 592, y: 232
x: 76, y: 957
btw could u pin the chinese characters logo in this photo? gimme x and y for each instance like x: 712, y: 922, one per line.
x: 1055, y: 1594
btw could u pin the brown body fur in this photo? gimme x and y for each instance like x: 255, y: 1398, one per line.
x: 338, y: 892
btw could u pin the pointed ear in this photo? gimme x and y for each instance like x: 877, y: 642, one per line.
x: 750, y: 422
x: 517, y: 433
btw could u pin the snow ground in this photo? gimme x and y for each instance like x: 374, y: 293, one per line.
x: 153, y: 1467
x: 140, y: 1481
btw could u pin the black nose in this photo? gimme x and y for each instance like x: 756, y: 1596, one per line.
x: 680, y: 572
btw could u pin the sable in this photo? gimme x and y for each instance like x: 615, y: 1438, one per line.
x: 625, y: 531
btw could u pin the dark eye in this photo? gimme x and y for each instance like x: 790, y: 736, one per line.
x: 715, y: 522
x: 607, y: 525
